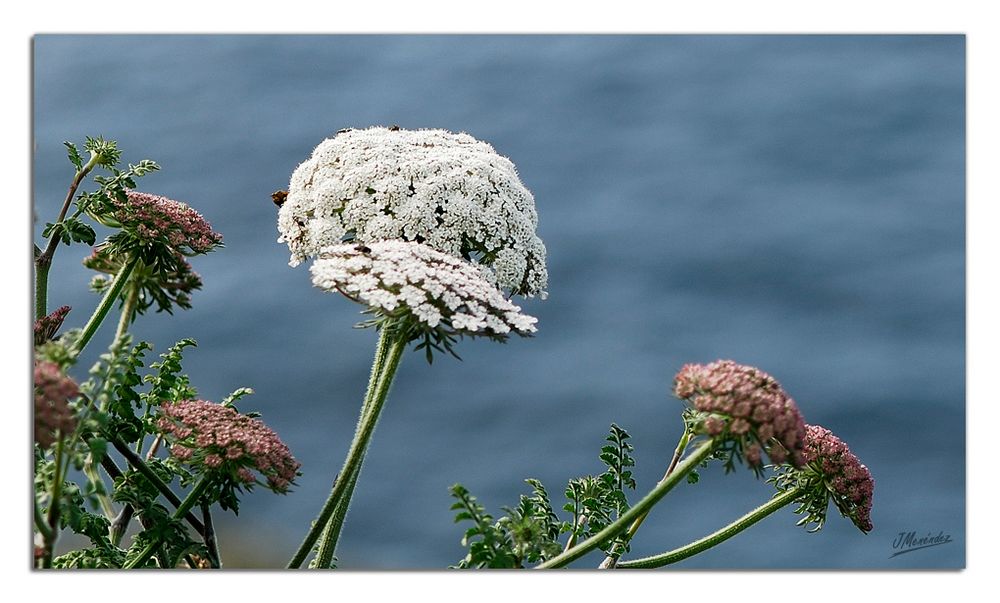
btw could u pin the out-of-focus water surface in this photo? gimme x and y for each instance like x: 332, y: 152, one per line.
x: 792, y: 202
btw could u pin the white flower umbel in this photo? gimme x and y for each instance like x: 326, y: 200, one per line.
x: 413, y: 283
x: 415, y: 293
x: 449, y: 191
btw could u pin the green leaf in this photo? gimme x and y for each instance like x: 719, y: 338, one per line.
x: 74, y: 155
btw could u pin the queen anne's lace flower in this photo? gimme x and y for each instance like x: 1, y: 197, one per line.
x: 447, y: 190
x: 434, y: 288
x: 848, y: 481
x: 53, y: 391
x: 219, y: 438
x: 748, y: 405
x: 156, y: 219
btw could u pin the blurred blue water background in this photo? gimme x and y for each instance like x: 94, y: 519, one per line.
x: 792, y: 202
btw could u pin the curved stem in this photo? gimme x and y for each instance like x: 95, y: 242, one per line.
x: 641, y: 507
x: 102, y: 308
x: 355, y: 456
x: 43, y: 260
x: 717, y: 537
x: 186, y: 505
x: 611, y: 561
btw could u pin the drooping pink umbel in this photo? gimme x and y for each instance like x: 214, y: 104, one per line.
x: 847, y: 479
x: 173, y: 223
x: 53, y: 391
x: 747, y: 404
x: 219, y: 438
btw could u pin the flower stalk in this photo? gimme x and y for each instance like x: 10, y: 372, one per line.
x: 344, y: 484
x: 331, y: 535
x: 101, y: 312
x: 779, y: 501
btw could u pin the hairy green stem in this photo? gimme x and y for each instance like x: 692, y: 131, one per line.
x: 41, y: 288
x: 717, y: 537
x: 643, y: 506
x: 110, y: 296
x: 331, y: 534
x: 43, y: 260
x: 327, y: 548
x: 189, y: 501
x: 339, y: 495
x: 612, y: 560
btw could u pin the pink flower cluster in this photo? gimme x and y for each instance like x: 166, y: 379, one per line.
x: 848, y: 480
x: 46, y: 327
x: 221, y: 439
x: 156, y: 218
x: 747, y: 405
x: 53, y: 390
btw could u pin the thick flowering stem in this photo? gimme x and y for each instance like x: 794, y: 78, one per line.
x: 105, y: 306
x: 611, y: 561
x: 331, y: 535
x: 779, y: 501
x: 344, y: 485
x: 643, y: 506
x: 189, y: 502
x: 43, y: 260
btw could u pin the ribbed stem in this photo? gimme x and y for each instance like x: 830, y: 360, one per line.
x: 331, y: 534
x: 110, y: 296
x: 355, y: 455
x: 717, y: 537
x: 643, y: 506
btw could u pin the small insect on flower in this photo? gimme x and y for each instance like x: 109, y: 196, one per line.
x: 279, y: 197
